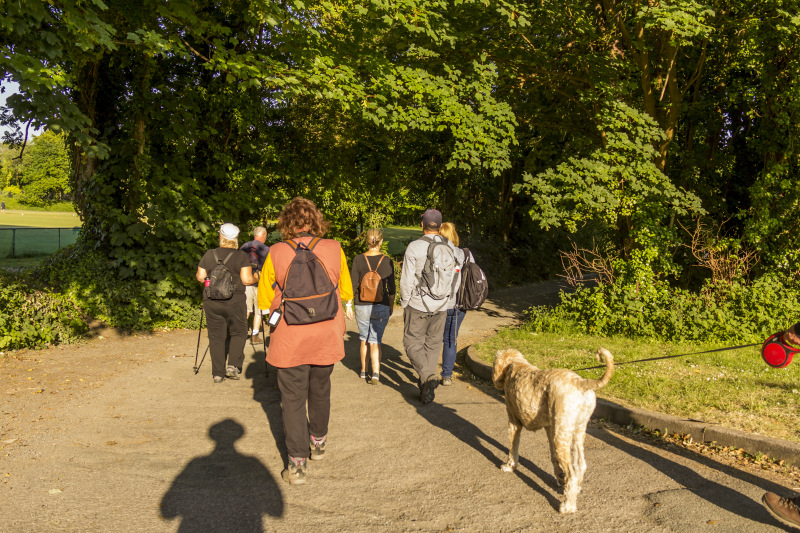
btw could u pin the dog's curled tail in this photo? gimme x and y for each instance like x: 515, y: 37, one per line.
x: 605, y: 356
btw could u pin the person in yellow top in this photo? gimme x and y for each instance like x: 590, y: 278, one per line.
x: 304, y: 354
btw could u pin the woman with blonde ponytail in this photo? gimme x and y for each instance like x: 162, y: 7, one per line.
x: 373, y: 308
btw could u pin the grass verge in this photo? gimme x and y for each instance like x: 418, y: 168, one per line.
x: 19, y: 263
x: 733, y: 388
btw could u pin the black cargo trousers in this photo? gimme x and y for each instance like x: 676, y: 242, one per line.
x: 226, y: 318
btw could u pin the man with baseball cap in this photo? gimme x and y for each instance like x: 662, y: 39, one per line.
x: 424, y: 315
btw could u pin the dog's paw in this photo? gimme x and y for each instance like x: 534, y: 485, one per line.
x: 507, y: 468
x: 567, y: 508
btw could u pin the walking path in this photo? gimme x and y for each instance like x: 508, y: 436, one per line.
x: 119, y: 434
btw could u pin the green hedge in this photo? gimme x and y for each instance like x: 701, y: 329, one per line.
x: 739, y: 312
x: 31, y: 318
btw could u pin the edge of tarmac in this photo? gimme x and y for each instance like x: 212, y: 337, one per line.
x: 700, y: 431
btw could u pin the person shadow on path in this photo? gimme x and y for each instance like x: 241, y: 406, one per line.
x: 224, y: 491
x: 264, y: 381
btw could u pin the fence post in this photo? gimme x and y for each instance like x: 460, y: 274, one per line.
x: 59, y: 239
x: 13, y: 240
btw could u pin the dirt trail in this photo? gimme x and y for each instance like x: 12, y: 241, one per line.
x: 119, y: 434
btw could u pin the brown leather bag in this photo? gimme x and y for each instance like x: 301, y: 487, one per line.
x: 370, y: 289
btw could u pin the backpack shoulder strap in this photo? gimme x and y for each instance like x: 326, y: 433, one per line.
x: 376, y: 266
x: 369, y: 268
x: 313, y: 243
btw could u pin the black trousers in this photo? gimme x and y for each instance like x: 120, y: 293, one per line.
x: 301, y: 385
x: 226, y: 318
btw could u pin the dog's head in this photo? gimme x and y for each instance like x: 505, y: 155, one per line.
x: 503, y: 361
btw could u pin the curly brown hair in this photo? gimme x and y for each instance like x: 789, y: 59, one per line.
x: 301, y: 215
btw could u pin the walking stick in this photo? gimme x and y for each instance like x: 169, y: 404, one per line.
x: 197, y: 352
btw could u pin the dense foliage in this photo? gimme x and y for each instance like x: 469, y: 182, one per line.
x: 609, y: 125
x: 39, y: 175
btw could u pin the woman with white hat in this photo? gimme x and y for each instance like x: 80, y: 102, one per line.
x: 226, y: 315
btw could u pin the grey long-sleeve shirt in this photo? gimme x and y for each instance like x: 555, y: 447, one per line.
x: 413, y: 262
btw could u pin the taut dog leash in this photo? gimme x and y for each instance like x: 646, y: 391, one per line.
x: 672, y: 356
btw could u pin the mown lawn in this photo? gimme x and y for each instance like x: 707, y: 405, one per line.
x: 733, y: 388
x: 39, y: 219
x: 397, y: 237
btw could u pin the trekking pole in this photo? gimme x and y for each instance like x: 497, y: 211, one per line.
x: 197, y: 352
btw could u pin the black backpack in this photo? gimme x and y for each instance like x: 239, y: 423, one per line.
x: 222, y: 284
x: 308, y: 294
x: 474, y: 285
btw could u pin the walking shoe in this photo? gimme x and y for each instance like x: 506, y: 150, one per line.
x: 428, y: 391
x: 295, y: 472
x: 363, y: 375
x: 446, y: 382
x: 784, y: 509
x: 218, y: 379
x: 318, y: 449
x: 232, y: 372
x: 255, y: 339
x: 375, y: 379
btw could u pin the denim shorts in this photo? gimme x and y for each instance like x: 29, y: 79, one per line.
x: 371, y: 320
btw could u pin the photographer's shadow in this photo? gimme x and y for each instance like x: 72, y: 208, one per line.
x: 223, y: 491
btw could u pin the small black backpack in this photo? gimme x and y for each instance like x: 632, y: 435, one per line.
x: 222, y: 284
x: 308, y: 294
x: 474, y: 285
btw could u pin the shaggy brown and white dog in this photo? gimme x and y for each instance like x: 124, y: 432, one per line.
x: 558, y: 400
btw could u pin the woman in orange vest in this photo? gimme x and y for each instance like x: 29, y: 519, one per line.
x: 304, y: 353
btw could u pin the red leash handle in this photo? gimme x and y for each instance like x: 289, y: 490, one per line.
x: 776, y: 353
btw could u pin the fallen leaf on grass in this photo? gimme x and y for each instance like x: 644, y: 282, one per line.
x: 54, y: 491
x: 9, y: 441
x: 111, y: 442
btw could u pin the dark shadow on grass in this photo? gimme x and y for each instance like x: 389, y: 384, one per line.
x: 224, y: 490
x: 719, y: 495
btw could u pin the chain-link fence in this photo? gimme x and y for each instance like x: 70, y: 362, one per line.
x: 32, y: 242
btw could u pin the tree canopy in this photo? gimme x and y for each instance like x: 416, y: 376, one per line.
x: 618, y: 120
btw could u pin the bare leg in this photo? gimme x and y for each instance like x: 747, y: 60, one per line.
x: 375, y: 356
x: 257, y: 321
x: 363, y: 356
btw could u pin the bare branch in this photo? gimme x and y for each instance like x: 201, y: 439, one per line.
x: 580, y: 262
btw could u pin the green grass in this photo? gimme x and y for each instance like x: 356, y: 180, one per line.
x: 396, y: 237
x: 733, y: 388
x: 18, y: 263
x: 39, y: 219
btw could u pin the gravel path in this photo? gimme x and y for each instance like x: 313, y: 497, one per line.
x: 119, y: 434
